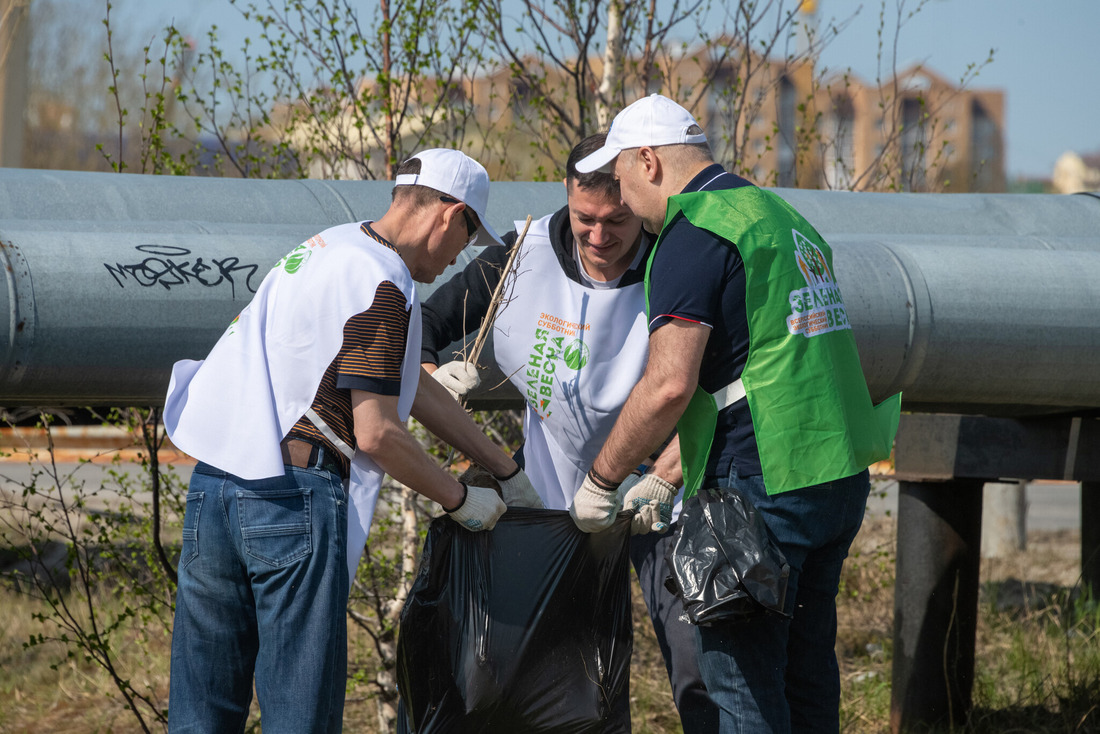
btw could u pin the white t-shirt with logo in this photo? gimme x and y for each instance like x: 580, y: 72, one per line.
x: 574, y: 353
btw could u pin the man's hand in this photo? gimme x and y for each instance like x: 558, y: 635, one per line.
x: 480, y: 508
x: 460, y: 378
x: 594, y: 508
x: 651, y: 498
x: 519, y: 492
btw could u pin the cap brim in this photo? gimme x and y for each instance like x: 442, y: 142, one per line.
x: 601, y: 160
x: 486, y: 229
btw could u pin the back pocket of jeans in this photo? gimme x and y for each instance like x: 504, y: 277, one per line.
x: 189, y: 547
x: 275, y: 524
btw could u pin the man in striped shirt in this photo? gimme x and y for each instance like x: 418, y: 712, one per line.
x: 295, y: 415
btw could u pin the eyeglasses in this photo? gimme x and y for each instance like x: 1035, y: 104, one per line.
x: 471, y: 225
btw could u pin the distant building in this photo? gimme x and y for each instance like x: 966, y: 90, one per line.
x: 915, y: 132
x: 778, y: 122
x: 1074, y: 173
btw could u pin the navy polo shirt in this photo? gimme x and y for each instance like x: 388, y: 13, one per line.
x: 699, y: 277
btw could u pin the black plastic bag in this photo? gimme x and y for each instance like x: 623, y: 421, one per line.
x: 524, y: 628
x: 722, y: 565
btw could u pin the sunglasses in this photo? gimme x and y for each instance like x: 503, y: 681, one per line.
x: 471, y: 225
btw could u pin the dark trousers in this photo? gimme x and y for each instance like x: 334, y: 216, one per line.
x: 698, y: 714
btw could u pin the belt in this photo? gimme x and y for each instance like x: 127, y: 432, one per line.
x: 306, y: 454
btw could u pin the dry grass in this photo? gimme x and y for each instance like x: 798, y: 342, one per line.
x: 1037, y: 661
x: 47, y: 689
x: 865, y: 619
x: 1037, y: 664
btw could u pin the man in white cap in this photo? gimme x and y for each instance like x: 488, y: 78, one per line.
x: 296, y: 413
x: 577, y: 289
x: 752, y: 359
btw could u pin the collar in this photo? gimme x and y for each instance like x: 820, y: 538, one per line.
x: 706, y: 178
x: 368, y: 230
x: 561, y: 239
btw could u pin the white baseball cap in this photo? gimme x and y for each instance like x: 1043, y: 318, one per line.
x: 653, y: 120
x: 457, y: 175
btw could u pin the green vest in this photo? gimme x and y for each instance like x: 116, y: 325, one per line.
x: 811, y: 411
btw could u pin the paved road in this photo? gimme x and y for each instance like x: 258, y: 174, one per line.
x: 1050, y: 505
x: 16, y: 474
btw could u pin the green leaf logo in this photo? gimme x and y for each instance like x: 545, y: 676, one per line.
x: 296, y: 259
x: 576, y: 355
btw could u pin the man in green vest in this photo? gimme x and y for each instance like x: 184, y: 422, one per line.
x: 752, y: 359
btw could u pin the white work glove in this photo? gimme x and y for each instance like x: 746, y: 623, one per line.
x: 594, y: 508
x: 651, y: 498
x: 519, y: 492
x: 458, y: 377
x: 480, y: 508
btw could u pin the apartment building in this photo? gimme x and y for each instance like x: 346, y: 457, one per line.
x: 777, y: 122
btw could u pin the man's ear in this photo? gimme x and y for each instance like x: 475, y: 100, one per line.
x: 448, y: 212
x: 651, y: 164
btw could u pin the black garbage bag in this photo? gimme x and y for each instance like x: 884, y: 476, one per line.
x: 722, y: 565
x: 524, y: 628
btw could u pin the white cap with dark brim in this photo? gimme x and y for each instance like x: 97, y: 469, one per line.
x: 653, y: 120
x: 457, y: 175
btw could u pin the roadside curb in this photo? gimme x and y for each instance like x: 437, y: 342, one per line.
x: 96, y: 444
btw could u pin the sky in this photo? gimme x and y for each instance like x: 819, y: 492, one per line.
x: 1046, y: 55
x: 1045, y: 59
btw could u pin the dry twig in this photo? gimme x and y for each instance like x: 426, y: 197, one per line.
x: 498, y: 295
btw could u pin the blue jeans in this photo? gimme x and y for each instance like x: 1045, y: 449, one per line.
x: 780, y: 675
x: 698, y: 714
x: 263, y: 590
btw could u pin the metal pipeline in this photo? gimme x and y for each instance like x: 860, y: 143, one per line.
x: 967, y: 303
x: 112, y: 278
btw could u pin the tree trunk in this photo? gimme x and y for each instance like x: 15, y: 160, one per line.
x: 612, y: 64
x: 387, y: 93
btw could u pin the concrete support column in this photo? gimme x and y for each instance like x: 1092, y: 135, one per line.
x: 935, y: 602
x: 1004, y: 518
x: 1090, y: 535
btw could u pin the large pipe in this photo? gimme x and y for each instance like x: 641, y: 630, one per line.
x: 967, y: 303
x: 112, y: 278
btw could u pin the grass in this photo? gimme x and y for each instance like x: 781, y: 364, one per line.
x: 865, y: 619
x: 47, y: 689
x: 1037, y: 656
x: 1037, y: 670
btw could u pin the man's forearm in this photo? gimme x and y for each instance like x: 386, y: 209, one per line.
x: 657, y: 401
x: 644, y: 423
x: 400, y: 456
x: 667, y: 466
x: 443, y: 416
x: 383, y: 436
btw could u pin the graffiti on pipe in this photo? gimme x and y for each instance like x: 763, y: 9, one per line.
x: 170, y: 267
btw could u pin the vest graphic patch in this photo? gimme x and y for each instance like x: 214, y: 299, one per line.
x: 818, y: 308
x: 558, y: 344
